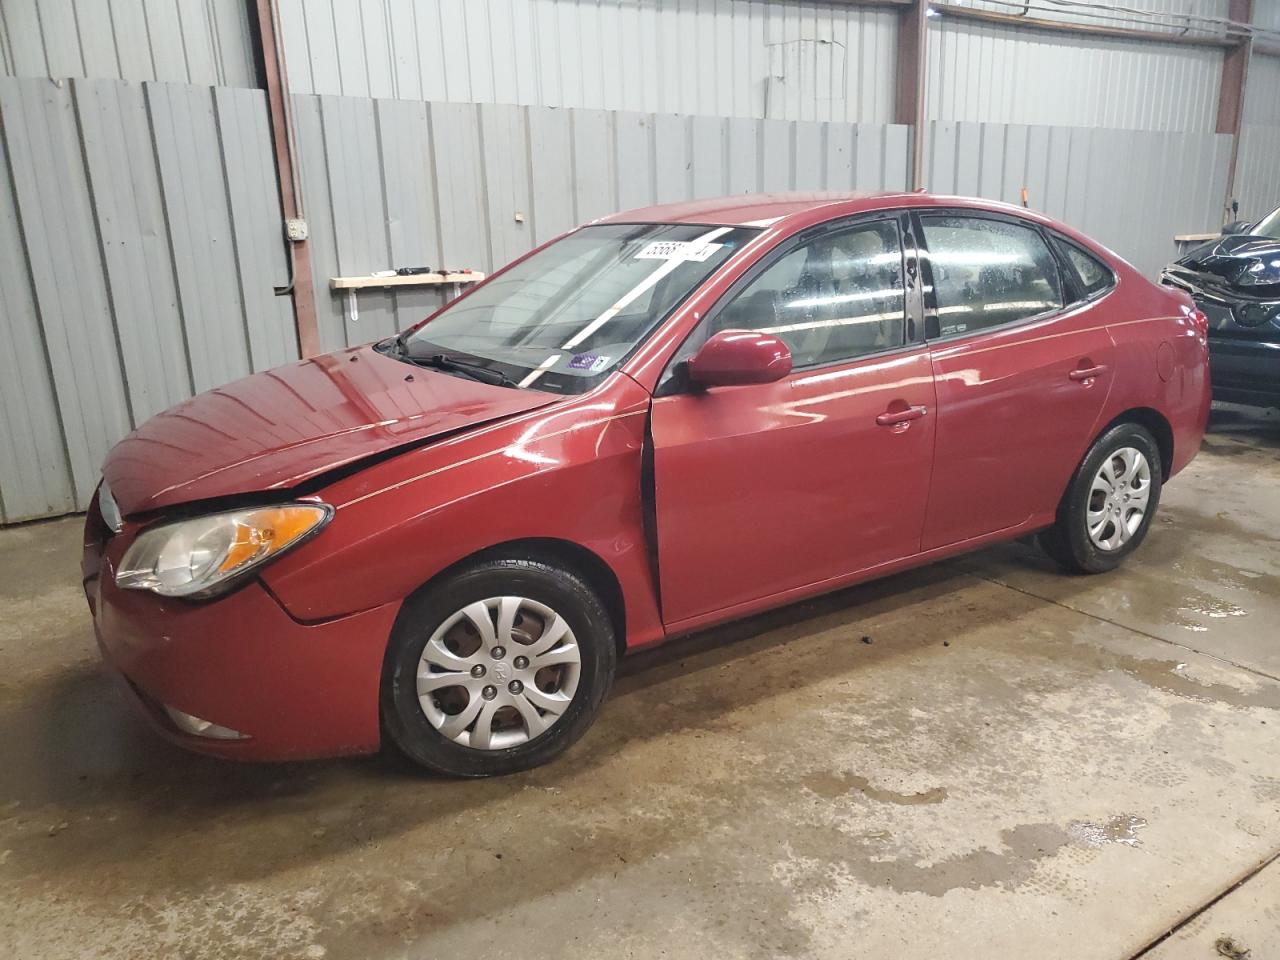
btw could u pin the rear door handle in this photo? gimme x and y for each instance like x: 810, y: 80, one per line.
x: 1088, y: 373
x: 895, y: 417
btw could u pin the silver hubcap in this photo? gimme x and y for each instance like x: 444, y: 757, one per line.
x: 1118, y: 498
x: 498, y: 672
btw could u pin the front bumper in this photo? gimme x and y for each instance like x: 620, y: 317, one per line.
x: 293, y: 690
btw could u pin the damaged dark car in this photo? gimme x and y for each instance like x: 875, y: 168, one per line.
x: 1235, y: 281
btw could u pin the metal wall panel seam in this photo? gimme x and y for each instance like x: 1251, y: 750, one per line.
x: 33, y: 496
x: 111, y: 296
x: 605, y: 54
x: 51, y: 192
x: 150, y: 90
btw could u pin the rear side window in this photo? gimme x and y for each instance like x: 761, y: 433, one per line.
x: 988, y: 272
x: 1093, y: 274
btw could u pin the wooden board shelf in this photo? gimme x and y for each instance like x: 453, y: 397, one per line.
x: 408, y: 280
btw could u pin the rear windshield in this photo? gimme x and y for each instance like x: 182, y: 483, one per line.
x: 567, y: 316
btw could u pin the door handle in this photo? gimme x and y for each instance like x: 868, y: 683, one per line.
x: 892, y: 418
x: 1088, y: 373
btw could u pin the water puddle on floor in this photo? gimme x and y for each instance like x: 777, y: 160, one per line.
x: 1122, y: 828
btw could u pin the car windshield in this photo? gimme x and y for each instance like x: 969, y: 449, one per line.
x: 1268, y: 226
x: 568, y: 315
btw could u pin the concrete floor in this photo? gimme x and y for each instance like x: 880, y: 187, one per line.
x: 1017, y: 761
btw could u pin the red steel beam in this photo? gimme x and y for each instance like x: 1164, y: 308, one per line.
x: 304, y: 296
x: 1235, y: 74
x: 1235, y: 66
x: 909, y: 90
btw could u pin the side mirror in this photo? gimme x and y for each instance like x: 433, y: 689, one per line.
x: 737, y: 357
x: 1236, y: 226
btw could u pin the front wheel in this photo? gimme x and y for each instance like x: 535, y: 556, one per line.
x: 498, y: 668
x: 1108, y: 507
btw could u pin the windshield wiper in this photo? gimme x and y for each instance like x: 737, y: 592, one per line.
x: 443, y: 361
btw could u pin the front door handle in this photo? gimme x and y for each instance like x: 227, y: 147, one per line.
x: 1087, y: 373
x: 892, y: 418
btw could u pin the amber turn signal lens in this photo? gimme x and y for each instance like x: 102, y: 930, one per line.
x: 270, y: 532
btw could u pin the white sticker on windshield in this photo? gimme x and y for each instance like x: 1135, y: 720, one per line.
x: 677, y: 250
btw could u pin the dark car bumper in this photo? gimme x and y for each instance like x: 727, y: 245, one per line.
x: 291, y: 690
x: 1245, y: 371
x: 1244, y: 346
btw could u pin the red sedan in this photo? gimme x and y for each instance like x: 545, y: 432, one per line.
x: 662, y: 420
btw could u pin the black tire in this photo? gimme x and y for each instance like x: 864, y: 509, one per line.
x: 1068, y: 541
x: 567, y: 594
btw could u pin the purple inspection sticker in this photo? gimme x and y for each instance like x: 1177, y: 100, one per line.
x: 588, y: 361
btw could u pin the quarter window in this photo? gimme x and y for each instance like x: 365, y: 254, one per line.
x: 836, y: 297
x: 1094, y: 276
x: 988, y: 272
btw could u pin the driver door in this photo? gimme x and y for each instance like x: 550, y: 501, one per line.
x: 781, y: 488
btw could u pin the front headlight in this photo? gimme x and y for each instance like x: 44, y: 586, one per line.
x: 199, y: 557
x: 1260, y: 273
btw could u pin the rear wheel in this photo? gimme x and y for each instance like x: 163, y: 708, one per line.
x: 498, y: 668
x: 1108, y: 507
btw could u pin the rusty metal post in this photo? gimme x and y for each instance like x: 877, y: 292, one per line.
x: 909, y: 93
x: 277, y: 81
x: 1235, y: 75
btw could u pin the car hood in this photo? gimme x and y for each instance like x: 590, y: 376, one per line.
x: 277, y: 429
x: 1229, y: 257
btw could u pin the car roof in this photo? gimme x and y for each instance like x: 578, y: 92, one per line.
x: 769, y: 209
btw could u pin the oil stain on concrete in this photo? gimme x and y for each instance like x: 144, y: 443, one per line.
x: 832, y: 785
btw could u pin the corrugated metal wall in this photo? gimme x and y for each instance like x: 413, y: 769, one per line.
x: 1262, y: 96
x: 185, y: 41
x: 1004, y: 74
x: 1257, y: 184
x: 733, y: 58
x: 139, y: 241
x: 1132, y: 190
x: 475, y: 185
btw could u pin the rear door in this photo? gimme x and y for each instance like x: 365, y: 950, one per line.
x: 774, y: 487
x: 1022, y: 363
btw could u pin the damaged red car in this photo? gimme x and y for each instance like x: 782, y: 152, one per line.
x: 659, y: 421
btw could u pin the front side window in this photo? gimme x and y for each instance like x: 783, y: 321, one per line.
x: 836, y: 297
x: 568, y: 315
x: 988, y: 272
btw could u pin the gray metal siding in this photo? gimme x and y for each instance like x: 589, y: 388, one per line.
x: 34, y: 479
x: 186, y: 41
x: 140, y: 229
x: 746, y: 58
x: 991, y: 73
x: 1257, y: 183
x: 388, y: 183
x: 140, y: 238
x: 66, y: 272
x: 1262, y: 91
x: 1132, y: 190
